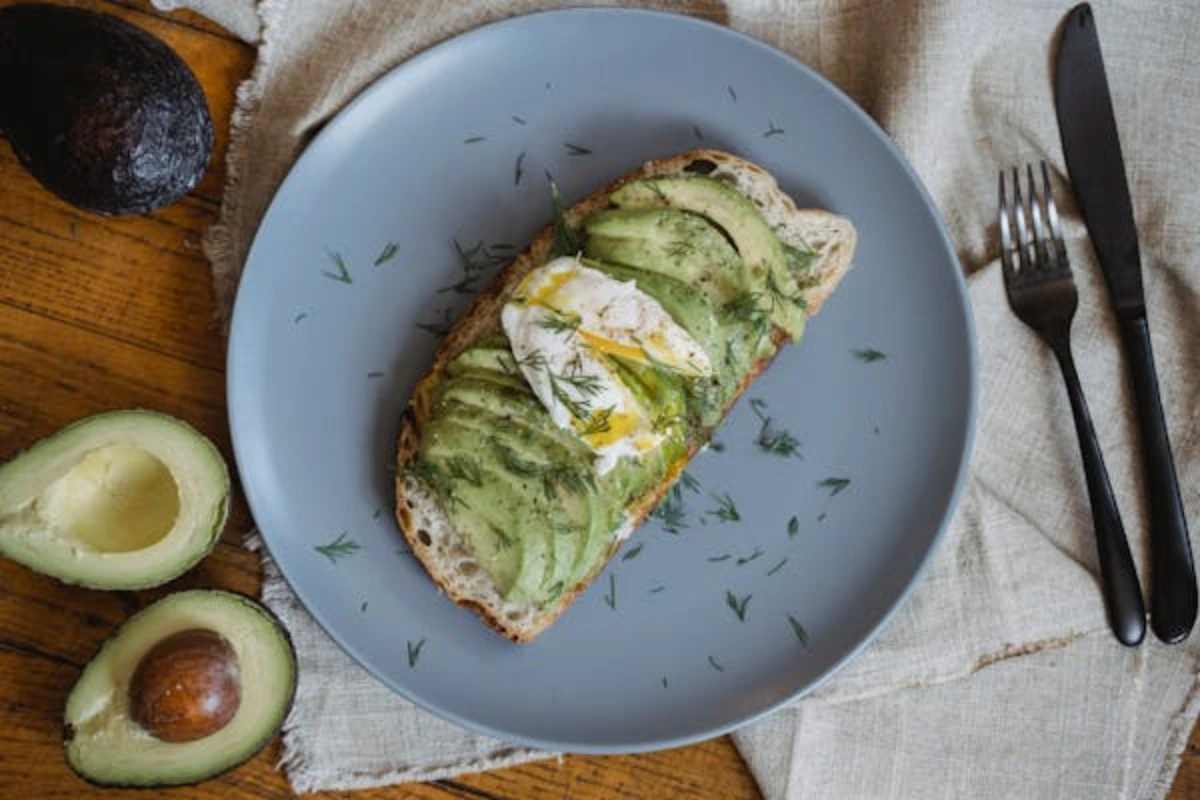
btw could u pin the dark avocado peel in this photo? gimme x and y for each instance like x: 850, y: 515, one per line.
x: 100, y: 112
x: 186, y: 689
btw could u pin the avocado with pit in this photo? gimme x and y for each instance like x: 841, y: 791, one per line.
x: 761, y: 251
x: 100, y: 112
x: 121, y: 500
x: 189, y: 687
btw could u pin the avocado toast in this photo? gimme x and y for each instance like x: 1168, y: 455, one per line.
x: 569, y: 398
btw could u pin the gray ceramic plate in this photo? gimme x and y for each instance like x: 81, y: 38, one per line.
x: 687, y: 634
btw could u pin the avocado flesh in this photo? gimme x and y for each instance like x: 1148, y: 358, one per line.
x: 760, y: 249
x: 484, y: 406
x: 105, y: 746
x: 100, y: 112
x: 121, y: 500
x: 685, y: 246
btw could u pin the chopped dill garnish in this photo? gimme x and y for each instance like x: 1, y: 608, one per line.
x: 343, y: 272
x: 632, y: 552
x: 834, y: 485
x: 560, y: 323
x: 773, y: 130
x: 566, y: 240
x: 462, y: 468
x: 777, y: 567
x: 770, y: 439
x: 725, y: 511
x: 737, y: 604
x: 414, y: 652
x: 519, y: 169
x: 340, y: 547
x: 798, y: 629
x: 576, y: 150
x: 869, y: 356
x: 387, y: 254
x: 744, y: 560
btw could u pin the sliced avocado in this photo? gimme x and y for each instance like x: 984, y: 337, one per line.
x: 487, y: 374
x: 120, y: 500
x: 103, y: 114
x: 496, y: 359
x: 675, y: 243
x: 141, y: 666
x: 760, y: 248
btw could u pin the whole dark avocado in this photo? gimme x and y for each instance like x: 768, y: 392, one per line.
x: 103, y: 114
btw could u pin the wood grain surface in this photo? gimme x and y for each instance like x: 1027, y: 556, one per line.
x: 99, y: 313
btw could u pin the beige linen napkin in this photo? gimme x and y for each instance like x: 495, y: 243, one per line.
x: 998, y: 678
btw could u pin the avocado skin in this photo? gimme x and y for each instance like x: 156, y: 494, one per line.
x: 101, y: 113
x: 69, y: 730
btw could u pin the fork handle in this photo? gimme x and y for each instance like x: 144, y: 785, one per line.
x: 1118, y: 576
x: 1173, y: 575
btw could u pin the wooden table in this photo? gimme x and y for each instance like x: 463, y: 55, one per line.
x: 100, y: 313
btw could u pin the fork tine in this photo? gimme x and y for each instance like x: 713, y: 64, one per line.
x: 1006, y: 238
x: 1056, y: 231
x: 1041, y: 243
x: 1021, y: 213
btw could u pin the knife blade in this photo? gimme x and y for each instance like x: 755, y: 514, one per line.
x: 1096, y: 167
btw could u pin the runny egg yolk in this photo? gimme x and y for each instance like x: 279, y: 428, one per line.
x: 565, y: 323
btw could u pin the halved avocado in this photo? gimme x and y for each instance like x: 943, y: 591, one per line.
x: 102, y: 113
x: 120, y: 500
x: 105, y: 745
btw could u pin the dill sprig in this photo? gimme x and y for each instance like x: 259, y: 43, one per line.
x: 340, y: 547
x: 387, y: 254
x: 597, y: 422
x: 669, y: 511
x: 557, y: 322
x: 519, y: 169
x: 771, y: 439
x: 343, y: 272
x: 462, y: 468
x: 726, y: 510
x: 834, y: 485
x: 737, y: 604
x: 567, y: 240
x: 798, y: 629
x: 869, y: 356
x: 414, y: 651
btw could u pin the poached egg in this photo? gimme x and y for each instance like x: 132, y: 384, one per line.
x: 564, y: 323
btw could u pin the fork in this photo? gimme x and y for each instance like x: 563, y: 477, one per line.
x: 1041, y: 293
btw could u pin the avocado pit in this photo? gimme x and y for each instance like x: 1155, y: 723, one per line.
x: 186, y: 687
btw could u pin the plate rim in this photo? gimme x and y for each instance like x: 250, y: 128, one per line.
x: 967, y: 436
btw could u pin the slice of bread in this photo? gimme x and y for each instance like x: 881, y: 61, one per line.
x: 447, y: 555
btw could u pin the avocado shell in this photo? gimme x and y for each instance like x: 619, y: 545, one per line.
x: 103, y: 114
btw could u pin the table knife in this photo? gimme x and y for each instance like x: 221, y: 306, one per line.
x: 1097, y: 171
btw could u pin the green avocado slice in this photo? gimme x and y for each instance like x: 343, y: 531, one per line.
x: 760, y: 249
x: 103, y: 743
x: 679, y: 244
x: 120, y: 500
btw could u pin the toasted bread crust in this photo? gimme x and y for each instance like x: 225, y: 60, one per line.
x: 482, y: 319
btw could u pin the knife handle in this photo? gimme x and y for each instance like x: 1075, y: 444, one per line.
x: 1118, y: 575
x: 1173, y: 574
